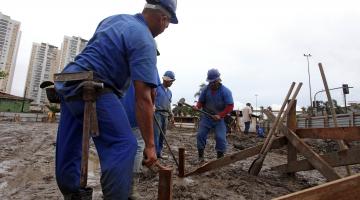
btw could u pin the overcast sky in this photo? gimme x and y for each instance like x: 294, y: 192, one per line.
x: 258, y: 46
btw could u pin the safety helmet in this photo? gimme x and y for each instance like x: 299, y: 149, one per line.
x: 213, y: 75
x: 168, y: 5
x: 169, y: 76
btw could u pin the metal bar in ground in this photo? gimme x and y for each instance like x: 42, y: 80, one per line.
x: 181, y: 162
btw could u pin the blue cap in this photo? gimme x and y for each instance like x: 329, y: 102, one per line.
x: 169, y: 76
x: 213, y: 75
x: 168, y: 5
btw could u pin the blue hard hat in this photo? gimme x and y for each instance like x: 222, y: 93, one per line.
x: 213, y: 75
x: 169, y: 75
x: 169, y: 5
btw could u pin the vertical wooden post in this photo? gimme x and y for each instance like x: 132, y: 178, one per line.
x: 291, y: 123
x: 181, y: 162
x: 326, y: 120
x: 165, y: 184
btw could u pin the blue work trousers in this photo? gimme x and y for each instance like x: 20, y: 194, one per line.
x: 116, y: 147
x: 159, y: 138
x: 247, y: 127
x: 205, y: 125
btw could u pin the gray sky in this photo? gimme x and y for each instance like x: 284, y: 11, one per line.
x: 258, y: 46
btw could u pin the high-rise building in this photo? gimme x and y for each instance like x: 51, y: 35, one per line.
x: 9, y: 44
x: 70, y: 48
x: 44, y: 61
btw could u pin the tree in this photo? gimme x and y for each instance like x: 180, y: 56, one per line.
x: 3, y: 74
x: 202, y: 87
x: 325, y: 107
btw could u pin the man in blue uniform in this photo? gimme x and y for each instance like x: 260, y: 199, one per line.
x: 121, y: 50
x: 217, y: 100
x: 163, y: 109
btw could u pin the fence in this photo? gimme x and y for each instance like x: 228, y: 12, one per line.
x: 343, y: 120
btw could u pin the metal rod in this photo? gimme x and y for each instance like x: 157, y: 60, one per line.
x: 181, y: 162
x: 167, y: 144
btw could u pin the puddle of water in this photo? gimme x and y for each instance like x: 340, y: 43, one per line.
x: 184, y: 181
x: 93, y: 165
x: 6, y: 165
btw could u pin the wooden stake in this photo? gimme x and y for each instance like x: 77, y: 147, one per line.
x: 340, y: 142
x: 165, y: 184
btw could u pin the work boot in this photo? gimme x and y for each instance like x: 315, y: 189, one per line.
x: 219, y: 154
x: 201, y: 155
x: 134, y: 193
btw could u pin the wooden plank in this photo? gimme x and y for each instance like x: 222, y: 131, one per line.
x: 335, y: 159
x: 342, y: 189
x: 339, y: 133
x: 291, y: 123
x: 316, y: 161
x: 165, y: 184
x: 88, y: 75
x: 226, y: 160
x: 341, y: 143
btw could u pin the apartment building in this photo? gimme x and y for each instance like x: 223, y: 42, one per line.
x: 9, y: 44
x: 44, y: 62
x: 70, y: 48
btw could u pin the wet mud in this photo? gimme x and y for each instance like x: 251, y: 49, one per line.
x: 27, y: 167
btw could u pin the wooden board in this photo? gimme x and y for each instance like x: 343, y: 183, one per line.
x: 342, y: 189
x: 335, y: 159
x: 226, y: 160
x: 340, y: 133
x: 316, y: 161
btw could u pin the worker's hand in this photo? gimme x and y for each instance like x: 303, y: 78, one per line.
x: 216, y: 117
x: 149, y: 156
x: 172, y: 120
x: 195, y: 108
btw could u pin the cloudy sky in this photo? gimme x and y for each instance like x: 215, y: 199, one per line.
x: 258, y: 46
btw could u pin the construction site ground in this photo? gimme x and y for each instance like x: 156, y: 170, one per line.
x: 27, y: 167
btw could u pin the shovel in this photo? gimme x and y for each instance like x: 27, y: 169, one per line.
x: 182, y: 103
x: 258, y: 162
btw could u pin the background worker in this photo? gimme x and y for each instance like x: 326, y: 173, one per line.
x: 217, y: 100
x: 247, y: 112
x: 163, y: 109
x: 121, y: 50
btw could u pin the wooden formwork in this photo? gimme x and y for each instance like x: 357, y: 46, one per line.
x: 293, y: 138
x: 343, y: 189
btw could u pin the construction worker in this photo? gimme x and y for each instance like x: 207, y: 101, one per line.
x: 217, y: 100
x: 121, y: 50
x: 247, y: 112
x: 163, y: 109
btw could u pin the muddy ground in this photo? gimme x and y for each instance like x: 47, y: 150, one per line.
x: 27, y: 168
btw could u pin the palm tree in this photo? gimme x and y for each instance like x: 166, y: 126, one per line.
x: 202, y: 86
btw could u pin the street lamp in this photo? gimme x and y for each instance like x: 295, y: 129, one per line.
x: 256, y: 101
x: 307, y: 57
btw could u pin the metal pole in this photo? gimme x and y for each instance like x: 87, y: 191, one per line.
x: 256, y: 101
x: 307, y: 57
x: 345, y: 102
